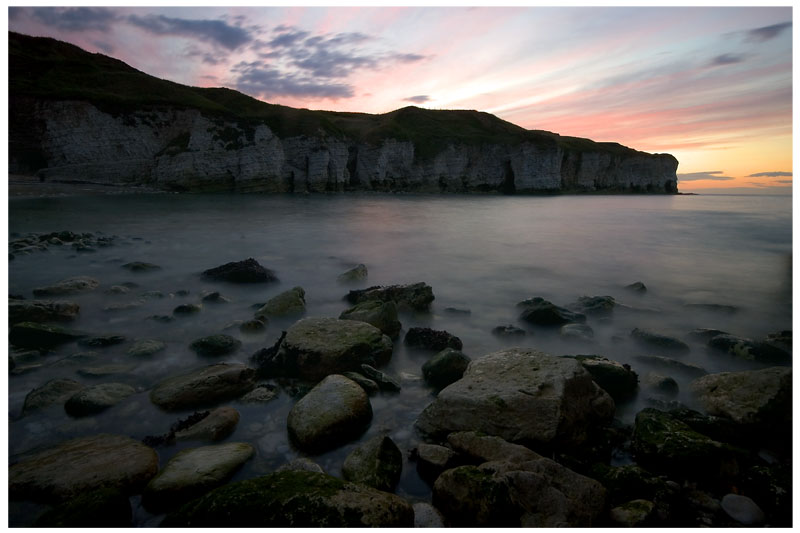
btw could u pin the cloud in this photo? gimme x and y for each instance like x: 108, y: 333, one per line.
x: 769, y: 175
x: 216, y: 31
x: 765, y: 33
x: 420, y: 99
x: 709, y: 175
x: 726, y: 59
x: 104, y: 46
x: 783, y: 181
x: 288, y: 38
x: 256, y: 78
x: 75, y: 18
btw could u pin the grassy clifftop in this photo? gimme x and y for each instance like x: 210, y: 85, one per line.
x: 49, y: 69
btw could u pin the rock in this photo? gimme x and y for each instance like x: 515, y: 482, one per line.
x: 97, y: 508
x: 369, y: 386
x: 334, y: 411
x: 445, y: 367
x: 594, y: 305
x: 457, y: 311
x: 714, y: 308
x: 55, y: 391
x: 179, y: 292
x: 772, y: 485
x: 139, y: 266
x: 433, y: 459
x: 80, y: 465
x: 629, y: 482
x: 781, y: 340
x: 294, y: 499
x: 291, y: 302
x: 79, y: 358
x: 145, y: 347
x: 749, y: 350
x: 151, y: 295
x: 660, y: 342
x: 261, y: 394
x: 416, y: 296
x: 40, y: 336
x: 247, y: 271
x: 382, y: 379
x: 637, y: 286
x: 97, y: 398
x: 217, y: 425
x: 317, y: 347
x: 382, y: 315
x: 661, y: 384
x: 215, y: 298
x: 430, y: 339
x: 426, y: 515
x: 377, y: 463
x: 101, y: 341
x: 256, y: 325
x: 543, y: 313
x: 192, y: 472
x: 577, y: 332
x: 635, y: 513
x: 358, y: 273
x: 671, y: 365
x: 617, y: 379
x: 300, y: 464
x: 508, y: 331
x: 117, y: 289
x: 74, y: 285
x: 164, y: 319
x: 215, y: 345
x: 705, y: 334
x: 187, y: 309
x: 204, y: 386
x: 41, y: 311
x: 522, y: 396
x: 718, y: 428
x: 753, y: 398
x: 105, y: 370
x: 742, y: 509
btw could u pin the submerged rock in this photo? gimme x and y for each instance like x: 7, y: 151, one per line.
x: 661, y: 384
x: 203, y: 386
x: 543, y: 313
x: 41, y: 311
x: 97, y: 398
x: 139, y: 266
x: 594, y: 305
x: 40, y: 336
x: 101, y: 341
x: 55, y: 391
x: 73, y: 285
x: 291, y: 302
x: 382, y: 315
x: 431, y: 339
x: 145, y: 347
x: 187, y: 309
x: 705, y: 334
x: 508, y: 331
x: 637, y: 286
x: 215, y: 426
x: 377, y: 463
x: 766, y: 352
x: 215, y: 345
x: 660, y: 342
x: 215, y: 298
x: 416, y: 296
x: 445, y: 367
x: 671, y: 365
x: 577, y: 332
x: 358, y: 273
x: 382, y: 379
x: 247, y: 271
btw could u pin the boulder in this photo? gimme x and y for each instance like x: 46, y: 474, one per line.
x: 523, y: 396
x: 594, y: 305
x: 81, y: 465
x: 382, y: 379
x: 256, y: 325
x: 101, y: 341
x: 105, y: 508
x: 433, y: 459
x: 214, y: 298
x: 430, y: 339
x: 705, y: 334
x: 291, y: 302
x: 358, y: 273
x: 369, y: 386
x: 204, y: 386
x: 40, y: 336
x: 247, y: 271
x: 671, y: 365
x: 635, y: 513
x: 629, y: 482
x: 335, y: 411
x: 577, y: 332
x: 416, y: 296
x: 637, y: 286
x: 300, y: 464
x: 426, y: 515
x: 145, y: 347
x: 377, y: 463
x: 445, y: 367
x: 742, y: 509
x: 294, y: 499
x: 747, y: 349
x: 754, y: 397
x: 660, y: 342
x: 97, y: 398
x: 617, y: 379
x: 261, y: 394
x: 55, y: 391
x: 41, y: 311
x: 74, y: 285
x: 382, y: 315
x: 100, y: 371
x: 187, y: 309
x: 140, y: 266
x: 660, y: 384
x: 316, y: 347
x: 543, y: 313
x: 218, y: 424
x: 215, y: 345
x: 192, y: 472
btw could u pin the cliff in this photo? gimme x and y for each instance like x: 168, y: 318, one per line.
x: 76, y: 116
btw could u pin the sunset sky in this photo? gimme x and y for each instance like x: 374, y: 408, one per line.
x: 712, y: 86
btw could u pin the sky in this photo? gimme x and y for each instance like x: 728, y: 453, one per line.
x: 711, y: 86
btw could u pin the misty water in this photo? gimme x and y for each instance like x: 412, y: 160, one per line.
x: 479, y: 253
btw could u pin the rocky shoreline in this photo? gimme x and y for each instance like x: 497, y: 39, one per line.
x: 516, y: 437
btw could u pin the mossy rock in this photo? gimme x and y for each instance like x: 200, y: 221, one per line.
x: 291, y: 302
x: 445, y: 368
x: 617, y: 379
x: 377, y: 463
x: 97, y: 508
x: 470, y: 497
x: 215, y: 345
x: 41, y: 336
x: 382, y: 315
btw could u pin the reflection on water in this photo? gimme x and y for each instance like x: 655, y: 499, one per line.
x: 484, y: 254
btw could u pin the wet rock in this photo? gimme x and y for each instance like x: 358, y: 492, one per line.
x: 151, y: 295
x: 98, y: 508
x: 416, y: 296
x: 117, y: 289
x: 80, y: 465
x: 55, y: 391
x: 41, y: 336
x: 444, y: 368
x: 369, y: 386
x: 146, y: 347
x: 750, y: 350
x: 543, y: 313
x: 661, y: 384
x: 180, y: 292
x: 215, y: 298
x: 256, y: 325
x: 713, y: 308
x: 300, y: 464
x: 294, y: 499
x: 433, y: 459
x: 426, y: 515
x: 594, y: 305
x: 705, y: 334
x: 772, y: 486
x: 101, y: 341
x: 383, y: 380
x: 431, y: 339
x: 521, y: 395
x: 358, y: 273
x: 139, y: 266
x: 742, y: 509
x: 41, y: 311
x: 204, y: 386
x: 215, y: 345
x: 105, y: 370
x: 508, y: 331
x: 617, y: 379
x: 377, y: 463
x: 79, y: 358
x: 781, y: 340
x: 215, y: 426
x: 671, y: 365
x: 261, y: 394
x: 577, y: 332
x: 718, y: 428
x: 97, y: 398
x: 335, y: 411
x: 637, y: 286
x: 193, y: 472
x: 635, y: 513
x: 164, y: 319
x: 291, y: 302
x: 247, y: 271
x: 457, y: 311
x: 629, y: 482
x: 126, y: 306
x: 187, y: 309
x: 658, y: 341
x: 382, y: 315
x: 73, y: 285
x: 316, y: 347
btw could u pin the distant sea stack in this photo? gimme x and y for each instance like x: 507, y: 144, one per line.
x: 77, y: 116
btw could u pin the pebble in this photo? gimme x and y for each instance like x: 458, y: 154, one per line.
x: 742, y: 509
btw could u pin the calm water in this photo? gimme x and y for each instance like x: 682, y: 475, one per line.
x: 479, y: 253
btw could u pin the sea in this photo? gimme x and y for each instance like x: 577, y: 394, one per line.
x: 481, y: 255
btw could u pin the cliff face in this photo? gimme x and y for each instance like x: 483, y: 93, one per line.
x: 186, y: 149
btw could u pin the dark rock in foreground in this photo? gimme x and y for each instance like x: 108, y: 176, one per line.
x: 444, y: 368
x: 543, y: 313
x: 204, y: 386
x: 430, y: 339
x: 40, y: 336
x: 382, y: 315
x: 215, y: 345
x: 377, y: 463
x: 294, y: 499
x: 73, y: 285
x: 55, y: 391
x: 97, y: 398
x: 98, y: 508
x: 247, y: 271
x: 416, y: 296
x: 41, y: 311
x: 615, y: 378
